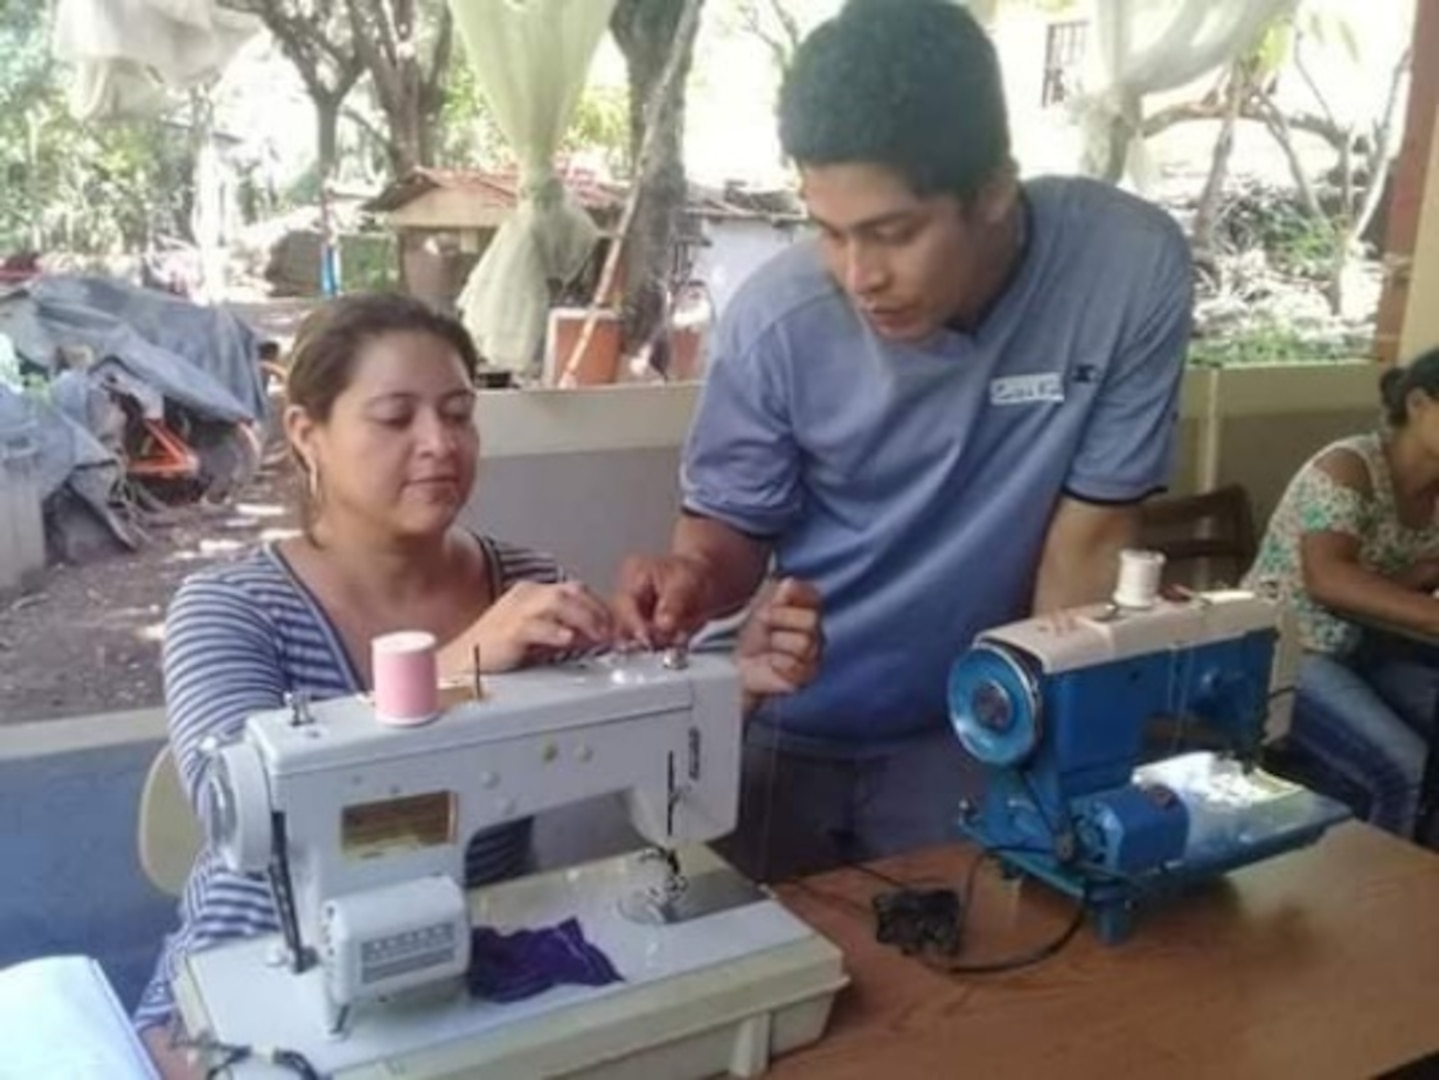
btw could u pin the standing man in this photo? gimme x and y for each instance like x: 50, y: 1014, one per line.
x: 944, y: 413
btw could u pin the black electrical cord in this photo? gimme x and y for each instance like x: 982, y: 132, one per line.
x: 1025, y: 959
x: 292, y: 1060
x: 915, y: 919
x: 230, y: 1055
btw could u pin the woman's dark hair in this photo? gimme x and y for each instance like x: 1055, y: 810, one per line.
x: 1421, y: 373
x: 913, y: 85
x: 328, y: 346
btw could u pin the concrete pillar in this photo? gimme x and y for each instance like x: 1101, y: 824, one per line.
x: 1400, y: 321
x: 1421, y: 302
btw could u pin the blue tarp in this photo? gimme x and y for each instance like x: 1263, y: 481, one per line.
x: 201, y: 357
x: 85, y: 336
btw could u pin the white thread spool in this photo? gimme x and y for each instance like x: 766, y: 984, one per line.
x: 1139, y: 574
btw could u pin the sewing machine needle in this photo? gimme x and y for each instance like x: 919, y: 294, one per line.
x: 479, y: 686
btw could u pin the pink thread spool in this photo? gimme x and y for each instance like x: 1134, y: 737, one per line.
x: 407, y: 682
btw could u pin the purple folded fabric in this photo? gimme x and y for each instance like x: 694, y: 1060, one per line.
x: 512, y: 967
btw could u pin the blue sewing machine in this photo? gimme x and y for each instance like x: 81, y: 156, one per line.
x: 1082, y: 721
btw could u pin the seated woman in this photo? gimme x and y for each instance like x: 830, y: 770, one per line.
x: 1355, y: 536
x: 381, y: 420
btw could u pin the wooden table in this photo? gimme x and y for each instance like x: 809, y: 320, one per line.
x: 1320, y: 963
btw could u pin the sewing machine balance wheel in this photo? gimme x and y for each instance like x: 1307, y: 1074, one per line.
x: 238, y: 798
x: 994, y: 704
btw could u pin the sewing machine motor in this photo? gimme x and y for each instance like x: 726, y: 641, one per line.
x: 1063, y: 711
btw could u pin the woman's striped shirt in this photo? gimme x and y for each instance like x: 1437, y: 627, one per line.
x: 237, y: 640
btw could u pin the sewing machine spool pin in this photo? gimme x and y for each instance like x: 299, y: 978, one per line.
x: 298, y: 702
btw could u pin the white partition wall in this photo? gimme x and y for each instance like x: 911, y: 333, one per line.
x: 591, y: 475
x: 1256, y: 426
x: 588, y: 475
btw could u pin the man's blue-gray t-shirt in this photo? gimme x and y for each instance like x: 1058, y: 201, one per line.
x: 914, y: 484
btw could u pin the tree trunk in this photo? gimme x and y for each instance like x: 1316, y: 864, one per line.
x: 1206, y: 216
x: 1116, y: 156
x: 646, y: 31
x: 1338, y: 266
x: 206, y: 226
x: 314, y: 38
x: 409, y: 87
x: 1343, y: 224
x: 410, y: 118
x: 404, y: 149
x: 327, y: 120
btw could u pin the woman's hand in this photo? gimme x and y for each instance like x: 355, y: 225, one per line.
x: 1422, y: 575
x: 780, y: 644
x: 532, y: 622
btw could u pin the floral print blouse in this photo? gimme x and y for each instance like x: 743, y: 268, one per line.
x: 1316, y: 502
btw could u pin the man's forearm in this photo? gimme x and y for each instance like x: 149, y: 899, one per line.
x: 1077, y: 581
x: 1080, y: 564
x: 734, y: 563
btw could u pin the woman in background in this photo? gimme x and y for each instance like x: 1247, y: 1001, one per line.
x: 381, y: 421
x: 1355, y: 536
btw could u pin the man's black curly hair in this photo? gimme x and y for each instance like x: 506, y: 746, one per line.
x: 913, y: 85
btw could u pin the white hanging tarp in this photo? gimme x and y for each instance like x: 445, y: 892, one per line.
x: 1149, y: 46
x: 530, y: 60
x: 126, y: 51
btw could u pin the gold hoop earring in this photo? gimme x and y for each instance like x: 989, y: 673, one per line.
x: 314, y: 488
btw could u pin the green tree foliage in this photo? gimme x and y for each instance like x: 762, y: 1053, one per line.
x: 78, y: 187
x: 469, y: 137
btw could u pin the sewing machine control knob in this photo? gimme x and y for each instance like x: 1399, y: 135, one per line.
x: 584, y: 752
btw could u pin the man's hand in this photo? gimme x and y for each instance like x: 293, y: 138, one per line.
x: 662, y: 600
x: 713, y: 571
x: 781, y: 644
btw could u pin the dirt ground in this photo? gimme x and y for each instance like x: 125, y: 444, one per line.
x: 87, y: 639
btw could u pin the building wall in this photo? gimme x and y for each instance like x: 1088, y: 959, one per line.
x: 589, y: 475
x: 737, y: 249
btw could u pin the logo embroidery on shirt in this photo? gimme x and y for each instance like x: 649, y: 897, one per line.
x: 1026, y: 389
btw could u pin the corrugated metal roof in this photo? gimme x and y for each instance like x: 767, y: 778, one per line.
x: 602, y: 198
x: 497, y: 189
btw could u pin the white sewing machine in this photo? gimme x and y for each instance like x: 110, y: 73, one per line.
x: 362, y: 829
